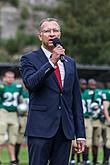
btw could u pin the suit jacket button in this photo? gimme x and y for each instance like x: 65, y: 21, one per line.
x: 59, y: 107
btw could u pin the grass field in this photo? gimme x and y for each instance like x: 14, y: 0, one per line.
x: 24, y: 156
x: 100, y: 156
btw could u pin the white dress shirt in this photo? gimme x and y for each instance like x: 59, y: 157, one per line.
x: 60, y: 64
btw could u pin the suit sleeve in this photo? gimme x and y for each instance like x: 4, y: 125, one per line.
x: 78, y: 109
x: 32, y: 77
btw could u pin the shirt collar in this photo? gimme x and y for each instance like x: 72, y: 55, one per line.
x: 47, y: 53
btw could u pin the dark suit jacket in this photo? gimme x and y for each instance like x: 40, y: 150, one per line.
x: 49, y: 104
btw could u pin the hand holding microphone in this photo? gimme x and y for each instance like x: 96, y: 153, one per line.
x: 58, y: 51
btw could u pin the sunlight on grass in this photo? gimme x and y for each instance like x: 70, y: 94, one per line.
x: 23, y: 157
x: 100, y: 156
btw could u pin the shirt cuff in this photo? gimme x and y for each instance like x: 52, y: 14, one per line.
x: 80, y: 139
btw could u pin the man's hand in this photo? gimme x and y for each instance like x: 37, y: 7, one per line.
x: 80, y: 146
x: 57, y: 51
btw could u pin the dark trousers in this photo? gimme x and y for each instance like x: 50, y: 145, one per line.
x: 55, y: 149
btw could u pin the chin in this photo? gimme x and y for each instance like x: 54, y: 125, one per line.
x: 51, y: 45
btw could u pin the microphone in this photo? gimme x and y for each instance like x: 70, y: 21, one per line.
x: 56, y: 41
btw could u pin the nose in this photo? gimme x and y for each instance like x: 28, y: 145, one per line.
x: 52, y: 32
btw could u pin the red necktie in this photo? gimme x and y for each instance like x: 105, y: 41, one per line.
x: 57, y: 73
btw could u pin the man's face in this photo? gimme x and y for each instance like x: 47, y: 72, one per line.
x: 92, y: 85
x: 49, y: 31
x: 9, y: 78
x: 83, y: 86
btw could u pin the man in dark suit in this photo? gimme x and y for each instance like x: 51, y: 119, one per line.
x: 55, y: 114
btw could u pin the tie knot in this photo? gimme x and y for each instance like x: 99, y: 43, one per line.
x: 57, y: 67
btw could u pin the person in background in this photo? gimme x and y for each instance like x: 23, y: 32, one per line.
x: 96, y: 110
x: 9, y: 96
x: 55, y: 115
x: 87, y: 119
x: 106, y: 105
x: 83, y: 87
x: 22, y: 114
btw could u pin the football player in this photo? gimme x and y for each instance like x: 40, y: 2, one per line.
x: 97, y: 100
x: 10, y: 92
x: 22, y: 113
x: 106, y: 105
x: 83, y: 86
x: 86, y: 100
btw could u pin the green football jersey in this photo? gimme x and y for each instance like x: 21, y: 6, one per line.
x: 98, y: 98
x: 25, y: 95
x: 104, y: 94
x: 23, y: 106
x: 107, y: 97
x: 1, y: 92
x: 83, y: 102
x: 9, y: 96
x: 86, y: 100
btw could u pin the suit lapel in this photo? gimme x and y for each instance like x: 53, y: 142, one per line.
x: 66, y: 67
x: 43, y: 59
x: 41, y: 56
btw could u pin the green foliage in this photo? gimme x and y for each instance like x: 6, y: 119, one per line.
x: 4, y: 57
x: 25, y: 13
x: 13, y: 46
x: 22, y: 26
x: 85, y: 29
x: 25, y: 40
x: 14, y: 3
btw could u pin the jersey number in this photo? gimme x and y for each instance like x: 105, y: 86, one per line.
x: 11, y: 99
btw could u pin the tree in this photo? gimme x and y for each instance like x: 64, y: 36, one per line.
x: 14, y: 3
x: 86, y: 29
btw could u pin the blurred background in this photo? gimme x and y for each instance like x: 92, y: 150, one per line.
x: 86, y: 36
x: 85, y: 26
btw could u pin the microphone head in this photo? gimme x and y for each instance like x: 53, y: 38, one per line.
x: 56, y: 41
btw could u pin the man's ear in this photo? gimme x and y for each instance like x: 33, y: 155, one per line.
x: 39, y: 36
